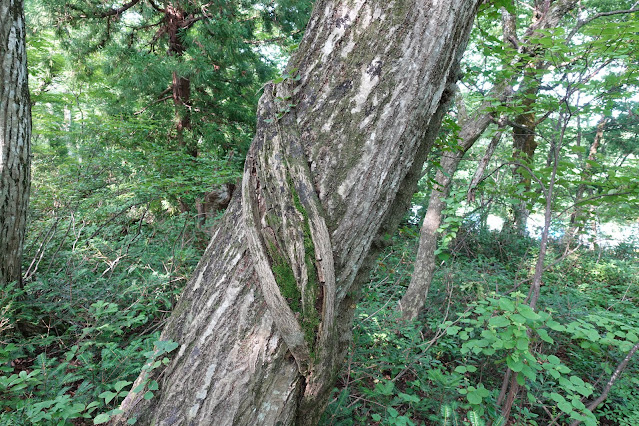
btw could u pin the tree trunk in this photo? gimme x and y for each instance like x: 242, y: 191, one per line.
x: 471, y: 129
x: 175, y: 22
x: 15, y: 135
x: 425, y: 262
x: 579, y: 216
x: 545, y: 15
x: 265, y: 322
x: 535, y: 285
x: 524, y: 147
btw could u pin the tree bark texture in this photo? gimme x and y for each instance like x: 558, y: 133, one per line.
x: 265, y: 322
x: 545, y: 15
x: 15, y: 135
x: 524, y: 147
x: 413, y: 300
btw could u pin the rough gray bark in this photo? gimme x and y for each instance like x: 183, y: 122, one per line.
x: 265, y: 322
x: 15, y: 135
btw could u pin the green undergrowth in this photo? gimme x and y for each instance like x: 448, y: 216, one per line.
x: 78, y: 333
x: 447, y: 368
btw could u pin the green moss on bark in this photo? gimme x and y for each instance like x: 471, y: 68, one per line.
x: 310, y: 311
x: 285, y: 279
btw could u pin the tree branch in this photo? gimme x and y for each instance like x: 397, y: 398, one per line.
x: 156, y: 7
x: 119, y: 10
x: 622, y: 365
x: 581, y: 23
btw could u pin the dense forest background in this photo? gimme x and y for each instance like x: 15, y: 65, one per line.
x: 143, y: 112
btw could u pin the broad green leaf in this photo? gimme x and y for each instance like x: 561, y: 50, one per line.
x: 528, y: 313
x: 522, y: 343
x: 565, y: 406
x: 101, y: 418
x: 474, y: 397
x: 553, y: 360
x: 409, y: 398
x: 108, y: 396
x: 543, y: 334
x: 499, y: 321
x: 121, y: 384
x: 506, y: 305
x: 515, y: 365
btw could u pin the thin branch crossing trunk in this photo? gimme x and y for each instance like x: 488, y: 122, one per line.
x: 265, y: 322
x: 620, y: 368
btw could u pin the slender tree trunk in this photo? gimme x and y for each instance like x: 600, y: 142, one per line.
x: 545, y: 15
x: 265, y: 322
x: 524, y: 147
x: 481, y: 168
x: 471, y: 129
x: 578, y: 217
x: 15, y: 135
x: 176, y: 21
x: 425, y: 262
x: 620, y: 368
x: 535, y: 286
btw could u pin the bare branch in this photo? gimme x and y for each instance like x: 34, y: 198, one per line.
x: 622, y: 365
x: 582, y: 22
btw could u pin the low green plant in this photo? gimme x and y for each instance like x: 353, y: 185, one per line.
x: 155, y: 359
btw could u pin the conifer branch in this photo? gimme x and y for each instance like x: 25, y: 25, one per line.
x: 118, y: 11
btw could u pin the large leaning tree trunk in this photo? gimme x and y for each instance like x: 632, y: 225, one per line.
x: 15, y: 135
x: 264, y: 324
